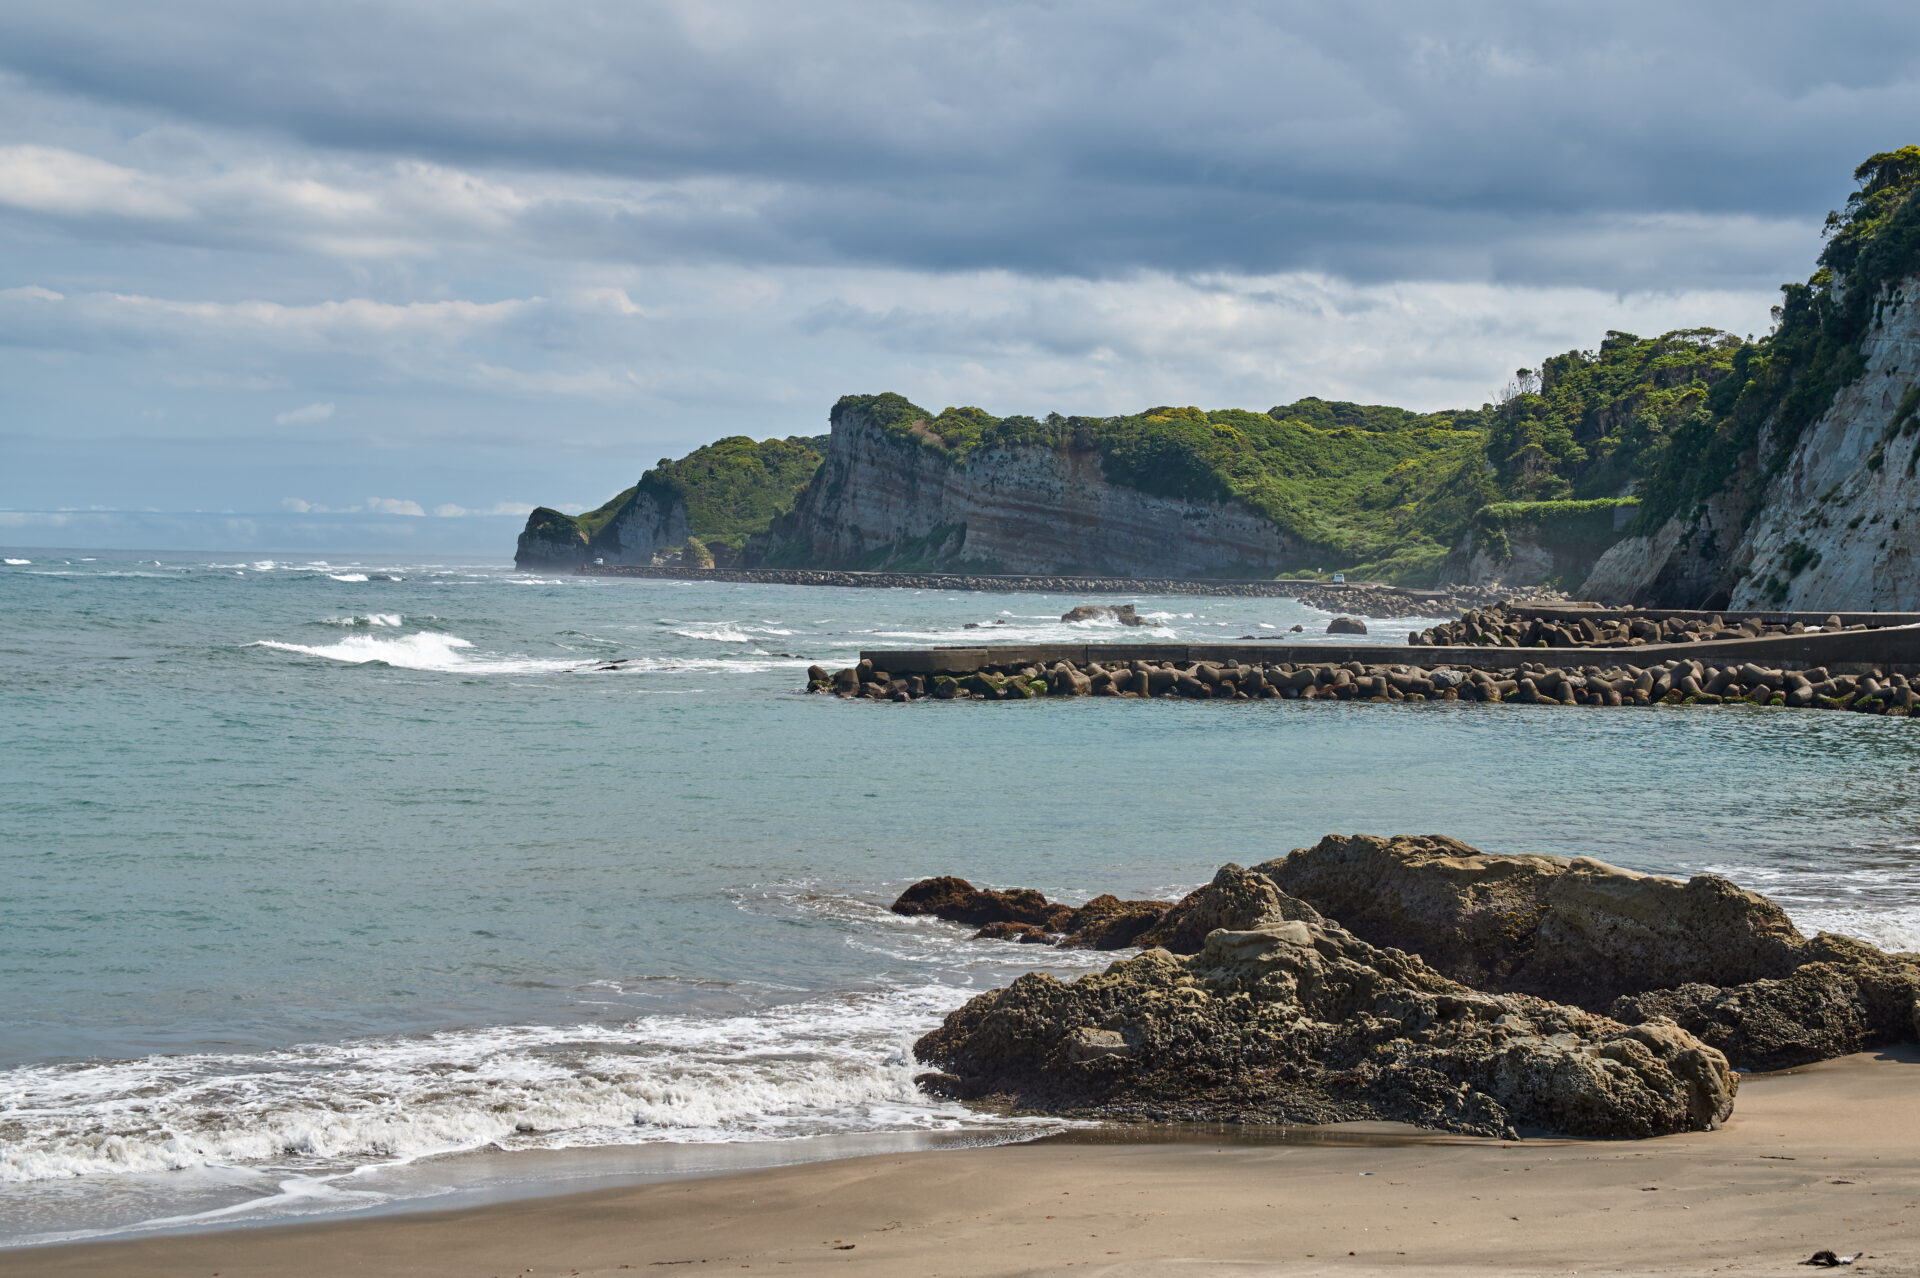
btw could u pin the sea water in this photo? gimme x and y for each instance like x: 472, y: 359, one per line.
x: 330, y: 884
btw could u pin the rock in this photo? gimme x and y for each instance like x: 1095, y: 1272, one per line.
x: 1236, y: 900
x: 1294, y: 630
x: 1346, y: 626
x: 551, y: 540
x: 1847, y: 999
x: 1300, y: 1022
x: 1122, y: 613
x: 1575, y: 931
x: 1108, y: 923
x: 958, y: 901
x: 1104, y: 923
x: 1727, y: 965
x: 1026, y: 933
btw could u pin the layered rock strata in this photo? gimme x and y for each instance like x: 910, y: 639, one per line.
x: 1008, y: 507
x: 1677, y: 682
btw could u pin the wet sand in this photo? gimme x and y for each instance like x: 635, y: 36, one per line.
x: 1823, y: 1157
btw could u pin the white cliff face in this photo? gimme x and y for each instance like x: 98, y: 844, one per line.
x: 1838, y: 528
x: 1845, y: 512
x: 1530, y: 563
x: 1026, y: 508
x: 648, y: 523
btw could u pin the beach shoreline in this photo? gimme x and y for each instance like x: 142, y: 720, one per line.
x: 1826, y: 1156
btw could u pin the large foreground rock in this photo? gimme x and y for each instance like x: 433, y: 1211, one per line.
x: 1302, y: 1022
x: 1726, y: 964
x: 1574, y: 931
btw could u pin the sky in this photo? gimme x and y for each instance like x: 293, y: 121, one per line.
x: 384, y: 276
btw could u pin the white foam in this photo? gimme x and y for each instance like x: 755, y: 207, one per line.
x: 834, y: 1064
x: 725, y: 632
x: 424, y: 650
x: 371, y: 619
x: 19, y: 563
x: 348, y: 576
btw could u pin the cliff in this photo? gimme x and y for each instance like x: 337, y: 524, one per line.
x: 883, y: 500
x: 1692, y: 469
x: 699, y: 509
x: 1800, y: 491
x: 1537, y: 543
x: 1170, y: 492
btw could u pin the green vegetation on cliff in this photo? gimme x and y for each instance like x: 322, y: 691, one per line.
x: 1781, y: 385
x: 1663, y: 422
x: 1367, y: 484
x: 734, y: 487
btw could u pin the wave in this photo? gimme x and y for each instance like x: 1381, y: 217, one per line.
x: 348, y: 576
x: 832, y: 1064
x: 724, y: 632
x: 424, y: 650
x: 371, y: 619
x: 18, y: 563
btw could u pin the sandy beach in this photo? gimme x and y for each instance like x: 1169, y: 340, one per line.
x: 1827, y: 1156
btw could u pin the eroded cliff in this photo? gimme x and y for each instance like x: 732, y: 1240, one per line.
x: 882, y: 499
x: 1801, y: 491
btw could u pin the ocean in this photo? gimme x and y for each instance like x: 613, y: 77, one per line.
x: 337, y: 885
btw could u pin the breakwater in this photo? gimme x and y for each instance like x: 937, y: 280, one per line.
x: 1866, y: 670
x: 1523, y: 626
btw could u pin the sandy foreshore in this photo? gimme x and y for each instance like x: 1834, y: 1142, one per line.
x: 1827, y: 1156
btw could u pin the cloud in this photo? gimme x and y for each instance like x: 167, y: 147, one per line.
x: 451, y: 511
x: 534, y: 256
x: 393, y: 506
x: 308, y: 416
x: 49, y: 180
x: 1088, y: 138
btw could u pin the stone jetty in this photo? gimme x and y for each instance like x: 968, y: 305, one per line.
x: 1504, y: 626
x: 1851, y: 664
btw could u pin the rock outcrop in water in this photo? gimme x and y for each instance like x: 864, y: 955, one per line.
x: 1302, y: 1022
x: 1022, y: 914
x: 1725, y: 965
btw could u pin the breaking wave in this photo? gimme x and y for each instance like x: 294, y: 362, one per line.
x: 422, y: 651
x: 827, y: 1065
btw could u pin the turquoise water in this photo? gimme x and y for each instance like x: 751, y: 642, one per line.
x: 313, y: 870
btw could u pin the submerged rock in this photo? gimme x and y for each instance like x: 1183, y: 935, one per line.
x: 1122, y: 613
x: 1303, y: 1022
x: 1023, y: 914
x: 958, y: 901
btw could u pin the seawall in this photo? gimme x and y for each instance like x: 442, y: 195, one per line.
x: 1892, y: 648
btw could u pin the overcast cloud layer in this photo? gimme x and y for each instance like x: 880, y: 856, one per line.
x: 475, y: 256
